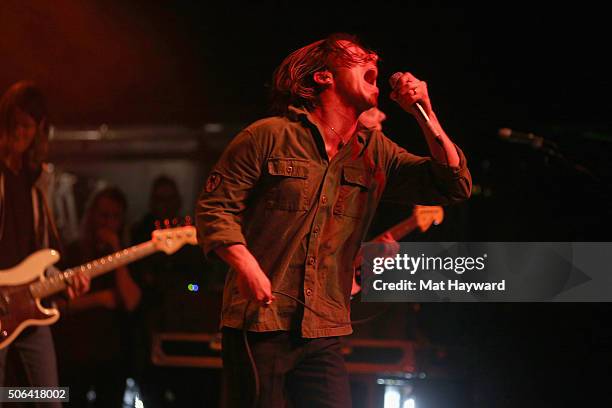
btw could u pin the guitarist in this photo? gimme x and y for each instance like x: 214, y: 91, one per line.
x: 26, y: 224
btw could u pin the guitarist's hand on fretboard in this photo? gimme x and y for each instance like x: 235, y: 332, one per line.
x: 78, y: 285
x: 389, y: 250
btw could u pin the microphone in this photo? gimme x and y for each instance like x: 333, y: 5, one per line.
x: 393, y: 80
x: 515, y: 136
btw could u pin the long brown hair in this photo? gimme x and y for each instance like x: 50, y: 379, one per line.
x: 28, y: 98
x: 293, y: 80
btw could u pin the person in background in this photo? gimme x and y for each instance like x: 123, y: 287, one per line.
x: 400, y: 321
x: 164, y: 204
x: 422, y: 214
x: 94, y: 336
x: 26, y: 224
x: 164, y: 278
x: 167, y: 305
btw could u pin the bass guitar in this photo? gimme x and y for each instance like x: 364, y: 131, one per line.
x: 23, y: 287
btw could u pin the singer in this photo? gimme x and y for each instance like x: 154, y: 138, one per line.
x: 287, y: 206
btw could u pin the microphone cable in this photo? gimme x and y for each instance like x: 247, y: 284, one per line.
x: 246, y: 324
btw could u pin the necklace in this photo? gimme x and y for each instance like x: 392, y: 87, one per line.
x: 333, y: 130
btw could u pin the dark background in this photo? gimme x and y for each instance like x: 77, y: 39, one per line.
x: 540, y: 70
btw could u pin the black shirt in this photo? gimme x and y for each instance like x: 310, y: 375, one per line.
x: 17, y: 237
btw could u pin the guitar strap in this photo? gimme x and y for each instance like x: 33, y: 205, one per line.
x: 43, y: 225
x: 39, y: 238
x: 43, y: 221
x: 50, y: 226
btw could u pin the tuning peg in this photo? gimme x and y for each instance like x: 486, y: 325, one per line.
x: 157, y: 224
x: 175, y: 222
x: 187, y: 220
x: 166, y: 223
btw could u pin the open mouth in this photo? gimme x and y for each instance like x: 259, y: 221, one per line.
x: 370, y: 76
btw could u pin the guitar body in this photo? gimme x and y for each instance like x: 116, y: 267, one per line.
x: 18, y: 308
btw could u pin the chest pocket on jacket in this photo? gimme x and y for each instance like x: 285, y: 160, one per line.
x: 354, y: 194
x: 288, y: 188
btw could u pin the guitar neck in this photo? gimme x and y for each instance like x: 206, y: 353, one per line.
x: 56, y: 283
x: 400, y: 230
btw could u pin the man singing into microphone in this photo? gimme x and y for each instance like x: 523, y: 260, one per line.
x: 287, y: 206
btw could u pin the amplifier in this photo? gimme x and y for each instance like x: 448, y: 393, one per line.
x: 373, y: 356
x: 187, y: 350
x: 363, y: 356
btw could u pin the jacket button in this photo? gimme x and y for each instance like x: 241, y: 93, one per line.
x: 324, y: 199
x: 316, y: 229
x: 311, y: 260
x: 289, y: 170
x: 308, y: 292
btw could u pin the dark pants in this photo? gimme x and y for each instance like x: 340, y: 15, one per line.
x: 293, y: 371
x: 36, y: 354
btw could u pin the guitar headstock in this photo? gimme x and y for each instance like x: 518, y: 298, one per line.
x: 426, y: 215
x: 172, y: 239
